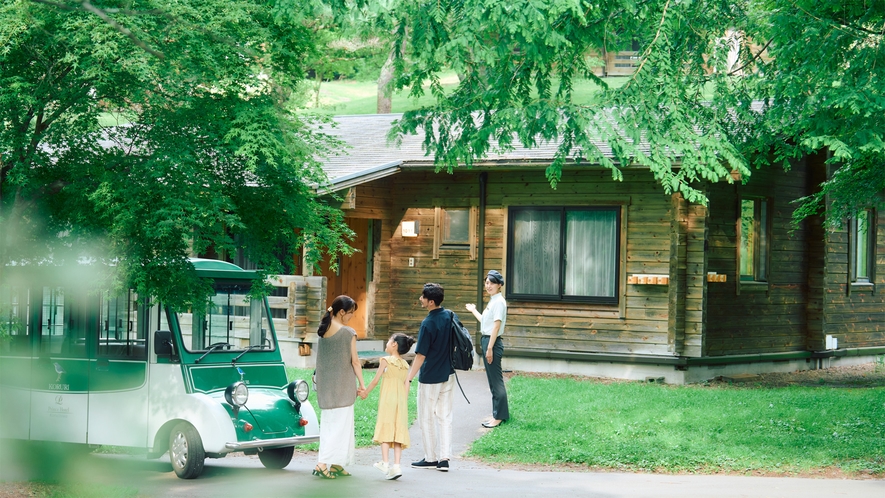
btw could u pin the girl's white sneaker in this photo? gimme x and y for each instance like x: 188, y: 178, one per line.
x: 394, y: 472
x: 382, y: 466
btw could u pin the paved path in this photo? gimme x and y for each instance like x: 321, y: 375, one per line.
x: 245, y: 476
x: 477, y: 479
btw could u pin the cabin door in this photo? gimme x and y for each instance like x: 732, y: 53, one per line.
x: 352, y: 276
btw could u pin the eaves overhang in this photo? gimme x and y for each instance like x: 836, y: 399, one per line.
x: 361, y: 177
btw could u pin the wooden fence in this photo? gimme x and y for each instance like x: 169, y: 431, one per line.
x: 304, y: 302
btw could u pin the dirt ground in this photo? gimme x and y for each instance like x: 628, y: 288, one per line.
x: 859, y: 376
x: 866, y: 375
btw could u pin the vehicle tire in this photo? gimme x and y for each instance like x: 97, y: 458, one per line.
x: 186, y: 451
x: 276, y: 458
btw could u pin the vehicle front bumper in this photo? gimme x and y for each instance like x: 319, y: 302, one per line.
x: 270, y: 443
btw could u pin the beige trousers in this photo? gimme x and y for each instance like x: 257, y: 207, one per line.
x: 435, y: 419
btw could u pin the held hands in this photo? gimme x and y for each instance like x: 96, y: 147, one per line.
x: 363, y: 393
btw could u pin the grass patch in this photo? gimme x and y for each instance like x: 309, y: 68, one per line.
x: 648, y: 427
x: 365, y: 411
x: 89, y: 491
x: 347, y: 97
x: 49, y: 489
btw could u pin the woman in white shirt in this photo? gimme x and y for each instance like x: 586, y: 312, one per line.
x: 492, y: 322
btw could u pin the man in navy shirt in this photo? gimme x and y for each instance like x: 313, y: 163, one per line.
x: 433, y: 358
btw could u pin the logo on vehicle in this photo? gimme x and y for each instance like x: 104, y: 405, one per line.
x: 59, y: 370
x: 58, y: 386
x: 59, y: 410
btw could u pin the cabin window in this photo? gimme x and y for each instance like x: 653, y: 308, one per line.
x: 862, y: 247
x: 455, y: 230
x: 754, y: 240
x: 563, y: 253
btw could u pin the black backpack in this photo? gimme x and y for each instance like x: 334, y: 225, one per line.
x: 462, y: 345
x: 462, y: 349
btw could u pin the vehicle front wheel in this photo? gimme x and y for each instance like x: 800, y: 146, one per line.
x: 276, y: 458
x: 186, y: 451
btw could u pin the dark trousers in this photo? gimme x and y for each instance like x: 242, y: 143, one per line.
x: 495, y: 374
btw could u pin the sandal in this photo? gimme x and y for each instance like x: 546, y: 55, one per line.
x: 323, y: 472
x: 339, y: 471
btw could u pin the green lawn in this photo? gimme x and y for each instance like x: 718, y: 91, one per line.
x: 636, y: 426
x: 348, y: 97
x: 648, y: 427
x: 365, y: 410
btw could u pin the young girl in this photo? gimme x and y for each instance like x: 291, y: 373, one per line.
x: 392, y: 427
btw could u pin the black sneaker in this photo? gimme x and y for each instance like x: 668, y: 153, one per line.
x: 443, y: 466
x: 424, y: 464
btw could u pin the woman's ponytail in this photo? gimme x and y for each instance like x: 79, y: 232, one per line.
x: 340, y: 303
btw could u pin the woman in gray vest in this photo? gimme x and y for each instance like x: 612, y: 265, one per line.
x: 492, y: 322
x: 338, y: 371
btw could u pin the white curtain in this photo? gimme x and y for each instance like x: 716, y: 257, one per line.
x: 591, y: 241
x: 591, y: 253
x: 536, y: 252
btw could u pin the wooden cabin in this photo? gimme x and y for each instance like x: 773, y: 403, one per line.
x: 609, y: 278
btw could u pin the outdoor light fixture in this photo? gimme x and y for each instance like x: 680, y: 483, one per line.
x: 410, y: 228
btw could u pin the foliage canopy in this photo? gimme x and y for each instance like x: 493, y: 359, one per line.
x: 206, y: 153
x: 719, y: 86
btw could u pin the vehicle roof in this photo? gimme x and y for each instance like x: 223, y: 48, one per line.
x: 214, y: 268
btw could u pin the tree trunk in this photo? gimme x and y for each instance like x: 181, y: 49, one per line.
x: 319, y: 80
x: 384, y: 98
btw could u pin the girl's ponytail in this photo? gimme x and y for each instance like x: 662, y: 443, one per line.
x: 403, y: 342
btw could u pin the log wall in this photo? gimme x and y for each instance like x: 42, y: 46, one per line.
x: 638, y: 324
x: 805, y: 297
x: 745, y: 318
x: 853, y: 313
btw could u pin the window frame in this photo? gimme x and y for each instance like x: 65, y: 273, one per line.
x: 872, y: 229
x: 439, y: 244
x: 446, y: 243
x: 758, y: 257
x: 619, y: 269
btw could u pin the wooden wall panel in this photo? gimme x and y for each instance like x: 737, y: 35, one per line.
x: 855, y: 316
x: 761, y: 318
x: 642, y: 327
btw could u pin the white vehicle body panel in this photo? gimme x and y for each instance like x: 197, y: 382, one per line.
x: 170, y: 402
x: 59, y: 416
x: 119, y: 418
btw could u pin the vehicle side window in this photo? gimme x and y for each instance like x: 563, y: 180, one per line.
x: 62, y: 324
x: 15, y: 321
x: 231, y: 318
x: 121, y: 334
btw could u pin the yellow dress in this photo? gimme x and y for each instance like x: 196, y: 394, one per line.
x: 393, y: 405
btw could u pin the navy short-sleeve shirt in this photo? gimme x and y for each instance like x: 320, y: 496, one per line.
x: 434, y: 340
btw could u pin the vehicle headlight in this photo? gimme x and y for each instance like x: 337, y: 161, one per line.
x: 236, y: 394
x: 298, y: 391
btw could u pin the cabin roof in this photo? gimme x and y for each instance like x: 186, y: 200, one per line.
x: 370, y: 156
